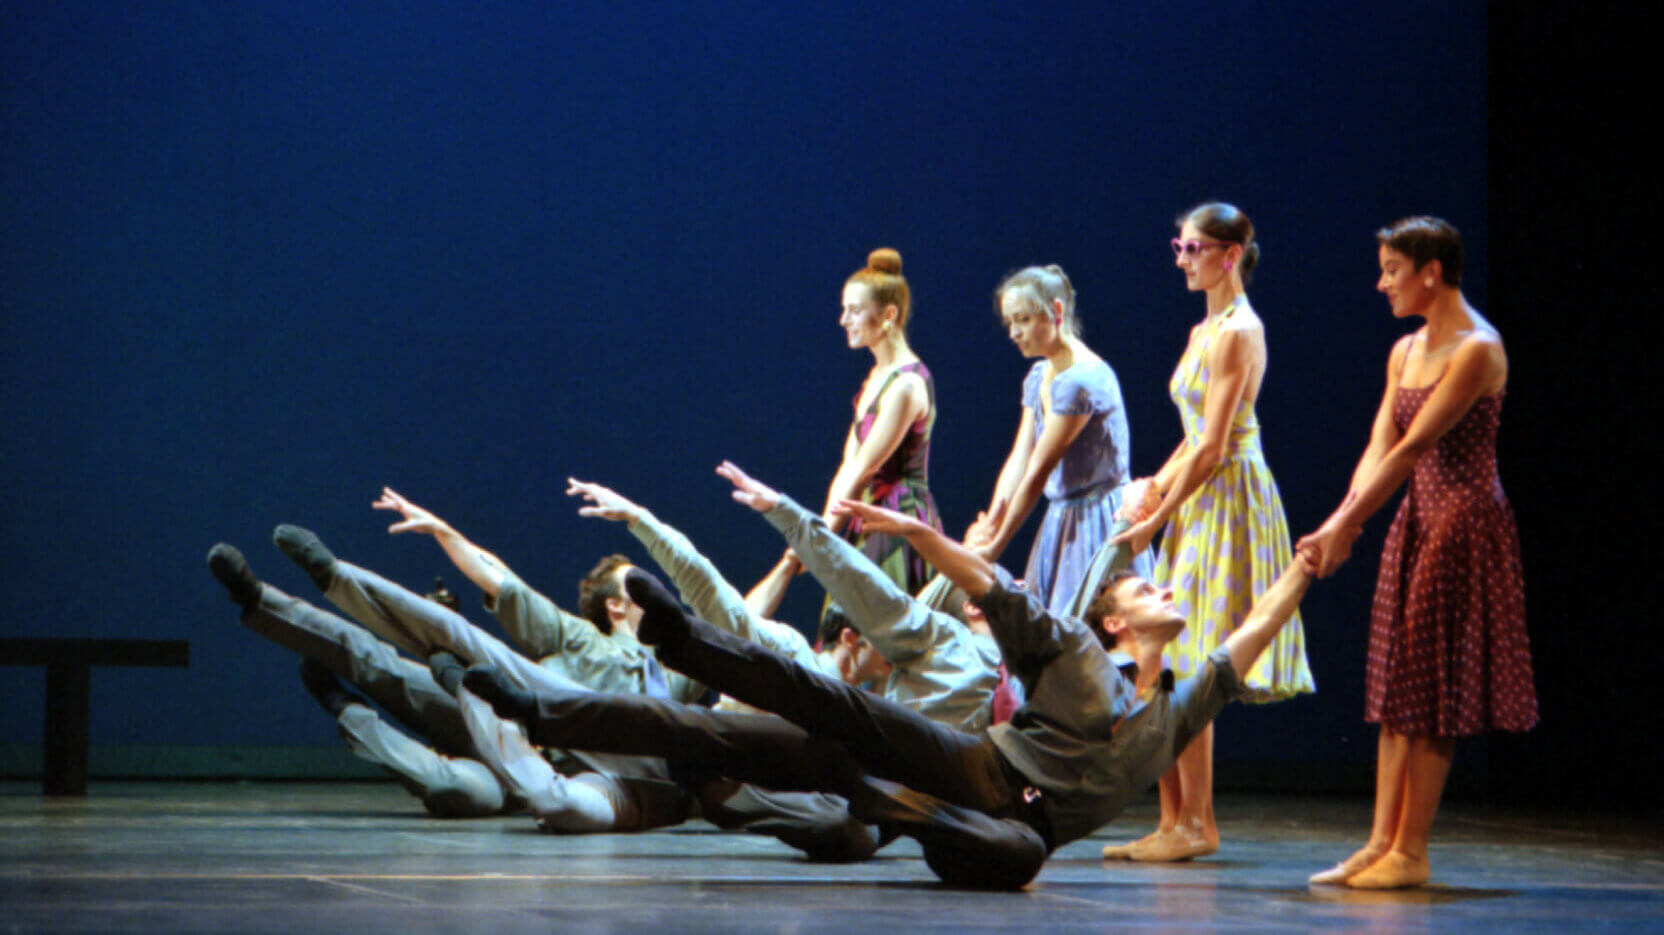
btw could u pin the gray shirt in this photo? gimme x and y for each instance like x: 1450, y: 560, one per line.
x: 719, y: 603
x: 1086, y: 738
x: 575, y: 648
x: 942, y: 670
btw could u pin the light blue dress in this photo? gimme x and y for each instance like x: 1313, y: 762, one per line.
x: 1084, y: 490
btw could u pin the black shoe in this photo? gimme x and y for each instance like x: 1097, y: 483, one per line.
x: 307, y: 551
x: 447, y: 670
x: 324, y: 687
x: 231, y: 569
x: 663, y: 621
x: 494, y: 688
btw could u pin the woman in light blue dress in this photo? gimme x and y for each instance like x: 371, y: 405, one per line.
x: 1072, y: 445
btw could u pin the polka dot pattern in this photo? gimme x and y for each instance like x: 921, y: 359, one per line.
x: 1448, y: 654
x: 1227, y: 544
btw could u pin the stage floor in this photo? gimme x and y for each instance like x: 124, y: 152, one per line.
x: 303, y: 857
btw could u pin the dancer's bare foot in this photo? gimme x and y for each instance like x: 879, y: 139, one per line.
x: 1348, y: 868
x: 1393, y: 871
x: 1123, y: 851
x: 1181, y: 843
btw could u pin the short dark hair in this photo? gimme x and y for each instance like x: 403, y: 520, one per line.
x: 598, y: 587
x: 1422, y: 239
x: 833, y: 623
x: 1105, y: 604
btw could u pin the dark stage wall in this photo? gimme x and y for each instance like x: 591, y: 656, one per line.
x: 262, y: 258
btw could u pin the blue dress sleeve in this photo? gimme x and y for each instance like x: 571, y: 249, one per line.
x: 1031, y: 387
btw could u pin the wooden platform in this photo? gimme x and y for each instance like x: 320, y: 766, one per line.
x: 361, y: 857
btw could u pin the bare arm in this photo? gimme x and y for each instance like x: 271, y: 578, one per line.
x: 765, y: 596
x: 1055, y: 437
x: 478, y: 565
x: 1016, y: 464
x: 1270, y: 612
x: 1472, y: 370
x: 905, y: 402
x: 962, y: 566
x: 1230, y: 363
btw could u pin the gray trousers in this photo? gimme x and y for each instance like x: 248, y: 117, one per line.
x: 613, y: 792
x: 447, y: 777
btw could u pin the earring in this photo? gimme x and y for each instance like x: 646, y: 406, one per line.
x: 1429, y: 281
x: 1228, y: 265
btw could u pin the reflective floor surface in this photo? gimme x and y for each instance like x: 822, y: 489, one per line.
x: 361, y: 857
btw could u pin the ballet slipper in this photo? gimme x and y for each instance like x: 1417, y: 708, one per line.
x: 1348, y: 868
x: 1392, y: 872
x: 1123, y: 851
x: 1172, y: 847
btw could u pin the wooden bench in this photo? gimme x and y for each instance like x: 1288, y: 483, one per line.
x: 69, y: 665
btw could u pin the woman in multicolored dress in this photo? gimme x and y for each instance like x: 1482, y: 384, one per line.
x: 1073, y: 444
x: 1224, y: 534
x: 887, y: 451
x: 1448, y: 655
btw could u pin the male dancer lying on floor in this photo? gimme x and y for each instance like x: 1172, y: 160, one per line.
x: 986, y: 807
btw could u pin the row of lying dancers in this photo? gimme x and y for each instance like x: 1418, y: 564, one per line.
x: 597, y: 725
x: 1011, y: 720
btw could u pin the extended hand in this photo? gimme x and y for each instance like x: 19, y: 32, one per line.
x: 748, y: 490
x: 1139, y: 534
x: 604, y: 502
x: 415, y: 519
x: 1331, y: 544
x: 1139, y: 500
x: 979, y: 538
x: 878, y: 519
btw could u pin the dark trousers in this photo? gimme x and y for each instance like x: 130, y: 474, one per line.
x: 950, y: 790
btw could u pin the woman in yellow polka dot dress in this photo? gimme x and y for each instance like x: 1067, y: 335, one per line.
x: 1226, y: 537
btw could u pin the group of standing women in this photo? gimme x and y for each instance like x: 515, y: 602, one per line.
x: 1447, y: 651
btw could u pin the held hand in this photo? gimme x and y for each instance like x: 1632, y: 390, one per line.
x: 878, y: 519
x: 747, y: 490
x: 1140, y: 534
x: 1309, y: 559
x: 603, y: 502
x: 1332, y: 545
x: 980, y: 535
x: 1139, y: 500
x: 415, y: 519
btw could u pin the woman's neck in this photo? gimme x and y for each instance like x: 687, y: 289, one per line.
x: 890, y: 352
x: 1224, y: 295
x: 1448, y: 318
x: 1062, y: 357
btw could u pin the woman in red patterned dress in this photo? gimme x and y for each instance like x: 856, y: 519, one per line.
x: 886, y: 454
x: 1447, y: 650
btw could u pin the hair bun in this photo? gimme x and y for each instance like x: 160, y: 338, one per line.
x: 885, y: 260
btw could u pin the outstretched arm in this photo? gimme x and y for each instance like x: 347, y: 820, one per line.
x: 701, y: 585
x: 1270, y: 612
x: 962, y: 566
x: 481, y: 567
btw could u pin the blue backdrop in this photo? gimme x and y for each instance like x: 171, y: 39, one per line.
x: 262, y: 258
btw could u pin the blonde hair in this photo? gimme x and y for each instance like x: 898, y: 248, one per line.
x: 1040, y: 287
